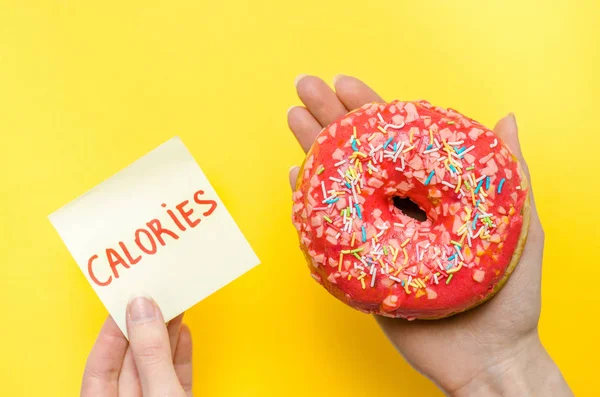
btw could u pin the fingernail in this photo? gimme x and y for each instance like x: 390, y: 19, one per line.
x: 298, y: 78
x: 141, y: 310
x: 292, y: 168
x: 290, y: 109
x: 337, y: 77
x: 513, y: 119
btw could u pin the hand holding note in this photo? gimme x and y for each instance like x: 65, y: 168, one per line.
x: 158, y: 228
x: 157, y: 360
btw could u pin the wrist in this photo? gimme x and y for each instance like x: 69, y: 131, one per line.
x: 525, y: 369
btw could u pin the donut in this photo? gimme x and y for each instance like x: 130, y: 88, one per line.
x: 380, y: 259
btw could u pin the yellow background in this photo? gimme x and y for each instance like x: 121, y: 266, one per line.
x: 87, y: 87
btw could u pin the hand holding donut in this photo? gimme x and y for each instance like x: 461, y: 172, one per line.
x: 496, y: 346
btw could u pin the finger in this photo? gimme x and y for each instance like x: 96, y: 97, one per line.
x: 151, y: 348
x: 173, y: 329
x: 304, y: 126
x: 354, y: 93
x: 294, y: 176
x: 319, y: 99
x: 183, y: 359
x: 129, y: 380
x: 101, y: 374
x: 508, y: 131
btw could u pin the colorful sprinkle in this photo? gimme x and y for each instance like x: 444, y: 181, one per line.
x: 500, y: 185
x: 478, y: 186
x: 320, y: 171
x: 364, y: 234
x: 449, y: 278
x: 385, y: 145
x: 475, y: 220
x: 358, y: 211
x: 431, y: 174
x: 487, y: 183
x: 327, y: 218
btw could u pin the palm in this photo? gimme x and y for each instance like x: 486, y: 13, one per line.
x: 483, y: 334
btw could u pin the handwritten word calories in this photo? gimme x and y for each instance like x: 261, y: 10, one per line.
x: 148, y: 238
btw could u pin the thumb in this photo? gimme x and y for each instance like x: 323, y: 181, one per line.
x: 149, y: 342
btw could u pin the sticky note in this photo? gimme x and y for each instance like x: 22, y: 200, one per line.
x: 156, y: 228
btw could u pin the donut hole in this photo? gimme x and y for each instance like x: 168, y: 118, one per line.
x: 409, y: 208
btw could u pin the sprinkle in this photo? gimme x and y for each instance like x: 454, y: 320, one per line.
x: 324, y: 190
x: 478, y: 186
x: 393, y: 126
x: 455, y: 243
x: 430, y: 150
x: 354, y: 146
x: 327, y: 218
x: 430, y: 137
x: 354, y: 131
x: 340, y: 163
x: 451, y: 186
x: 320, y: 171
x: 356, y: 250
x: 472, y: 167
x: 362, y: 281
x: 373, y: 278
x: 475, y: 221
x: 458, y: 184
x: 493, y: 145
x: 371, y: 137
x: 353, y: 237
x: 405, y: 256
x: 364, y: 234
x: 453, y: 169
x: 449, y: 122
x: 357, y: 256
x: 452, y: 271
x: 405, y: 243
x: 462, y: 154
x: 431, y: 174
x: 331, y: 201
x: 487, y: 183
x: 385, y: 145
x: 457, y: 143
x: 449, y: 278
x: 395, y: 255
x: 338, y: 180
x: 452, y: 257
x: 410, y: 138
x: 395, y: 279
x: 340, y: 262
x: 408, y: 149
x: 385, y: 250
x: 435, y: 279
x: 398, y: 224
x: 370, y: 166
x: 500, y: 185
x: 358, y: 211
x: 380, y: 118
x: 460, y: 255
